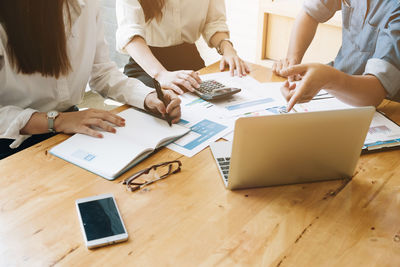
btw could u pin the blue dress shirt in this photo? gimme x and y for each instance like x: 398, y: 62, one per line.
x: 371, y: 38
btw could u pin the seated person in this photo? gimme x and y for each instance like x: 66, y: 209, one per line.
x: 160, y: 37
x: 367, y: 67
x: 49, y: 50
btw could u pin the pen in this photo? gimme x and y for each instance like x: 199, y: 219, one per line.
x: 160, y: 95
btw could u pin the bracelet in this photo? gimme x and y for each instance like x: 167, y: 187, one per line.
x: 219, y: 50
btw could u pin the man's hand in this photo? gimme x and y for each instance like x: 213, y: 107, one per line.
x: 315, y: 77
x: 283, y: 64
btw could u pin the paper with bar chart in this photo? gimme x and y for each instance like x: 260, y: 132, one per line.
x: 210, y: 121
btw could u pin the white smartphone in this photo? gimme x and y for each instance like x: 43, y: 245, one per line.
x: 100, y: 220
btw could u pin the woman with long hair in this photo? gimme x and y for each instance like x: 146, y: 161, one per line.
x: 160, y: 37
x: 49, y: 50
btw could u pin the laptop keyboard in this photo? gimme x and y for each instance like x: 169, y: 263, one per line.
x: 223, y: 164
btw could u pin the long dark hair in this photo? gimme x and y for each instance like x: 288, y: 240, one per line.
x: 152, y: 9
x: 36, y: 35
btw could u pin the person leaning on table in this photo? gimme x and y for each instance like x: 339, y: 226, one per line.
x: 367, y: 67
x: 49, y: 50
x: 160, y: 37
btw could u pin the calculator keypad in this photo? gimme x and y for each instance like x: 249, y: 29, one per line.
x: 208, y: 86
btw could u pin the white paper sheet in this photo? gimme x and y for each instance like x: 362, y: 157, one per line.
x: 210, y: 121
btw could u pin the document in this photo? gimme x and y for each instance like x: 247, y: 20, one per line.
x: 203, y: 132
x: 210, y: 121
x: 114, y: 154
x: 266, y: 100
x: 206, y: 122
x: 383, y: 133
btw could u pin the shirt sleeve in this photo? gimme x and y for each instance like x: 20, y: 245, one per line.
x: 107, y: 80
x: 131, y: 23
x: 321, y: 10
x: 385, y: 63
x: 215, y: 21
x: 12, y: 120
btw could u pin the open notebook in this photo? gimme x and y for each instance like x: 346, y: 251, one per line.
x: 114, y: 154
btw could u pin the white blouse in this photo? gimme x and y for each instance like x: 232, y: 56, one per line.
x: 182, y: 21
x: 22, y: 95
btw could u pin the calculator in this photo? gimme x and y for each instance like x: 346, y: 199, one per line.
x: 211, y: 89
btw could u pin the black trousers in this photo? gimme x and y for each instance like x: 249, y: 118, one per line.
x: 6, y: 151
x: 179, y: 57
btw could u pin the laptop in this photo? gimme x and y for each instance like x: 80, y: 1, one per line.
x: 293, y: 148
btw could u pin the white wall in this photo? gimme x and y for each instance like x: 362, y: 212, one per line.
x: 242, y: 16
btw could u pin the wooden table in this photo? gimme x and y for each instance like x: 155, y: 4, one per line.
x: 190, y: 219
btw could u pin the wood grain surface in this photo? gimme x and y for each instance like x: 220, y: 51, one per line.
x: 190, y: 219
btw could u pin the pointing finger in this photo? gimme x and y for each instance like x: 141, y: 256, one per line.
x: 294, y: 70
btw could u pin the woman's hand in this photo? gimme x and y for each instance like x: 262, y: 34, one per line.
x: 83, y: 121
x: 173, y: 108
x: 233, y: 61
x: 315, y: 76
x: 283, y: 64
x: 176, y: 80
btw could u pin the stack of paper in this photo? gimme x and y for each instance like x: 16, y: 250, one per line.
x: 210, y: 121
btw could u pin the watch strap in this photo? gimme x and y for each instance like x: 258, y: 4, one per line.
x: 51, y: 116
x: 50, y: 125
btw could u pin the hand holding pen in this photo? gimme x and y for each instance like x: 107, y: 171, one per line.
x: 160, y: 95
x: 164, y: 102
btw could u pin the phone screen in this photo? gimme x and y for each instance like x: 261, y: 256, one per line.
x: 100, y: 218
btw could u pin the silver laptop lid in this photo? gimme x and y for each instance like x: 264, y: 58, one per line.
x: 297, y: 147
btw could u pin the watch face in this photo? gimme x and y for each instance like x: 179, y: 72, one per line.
x: 52, y: 114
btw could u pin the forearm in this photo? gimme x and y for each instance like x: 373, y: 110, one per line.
x: 303, y: 33
x: 141, y: 53
x: 216, y: 39
x: 37, y: 124
x: 356, y: 90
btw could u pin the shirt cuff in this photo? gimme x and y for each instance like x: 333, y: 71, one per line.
x: 317, y: 10
x: 125, y: 35
x: 387, y: 74
x: 13, y: 131
x: 213, y: 28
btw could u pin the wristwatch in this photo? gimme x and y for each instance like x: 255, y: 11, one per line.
x: 219, y: 50
x: 51, y: 116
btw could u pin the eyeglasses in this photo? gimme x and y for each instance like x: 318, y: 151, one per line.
x: 152, y: 174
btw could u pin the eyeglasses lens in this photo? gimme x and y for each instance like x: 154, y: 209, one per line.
x: 157, y: 173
